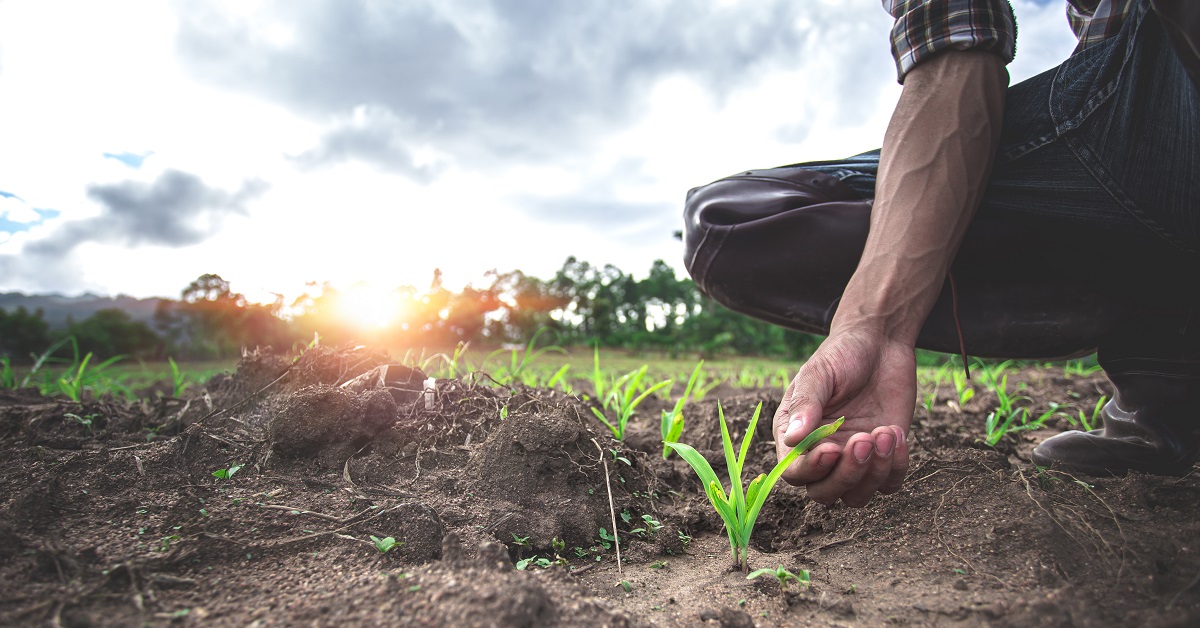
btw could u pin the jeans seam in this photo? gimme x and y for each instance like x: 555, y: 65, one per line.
x: 1084, y: 154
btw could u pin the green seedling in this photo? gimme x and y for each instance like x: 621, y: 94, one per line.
x: 8, y: 377
x: 783, y: 576
x: 520, y: 541
x: 520, y: 360
x: 739, y: 510
x: 164, y: 544
x: 1093, y: 422
x: 84, y: 421
x: 650, y: 526
x: 385, y: 544
x: 962, y: 388
x: 225, y: 474
x: 605, y: 539
x: 626, y: 585
x: 522, y: 565
x: 177, y: 379
x: 622, y: 401
x: 672, y: 422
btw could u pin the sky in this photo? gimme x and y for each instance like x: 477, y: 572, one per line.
x: 276, y: 143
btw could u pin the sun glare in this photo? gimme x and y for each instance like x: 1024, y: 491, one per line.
x: 369, y: 306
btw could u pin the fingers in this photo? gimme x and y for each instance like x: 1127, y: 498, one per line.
x: 803, y: 404
x: 869, y: 463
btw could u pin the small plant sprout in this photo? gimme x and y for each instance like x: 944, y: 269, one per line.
x: 739, y: 510
x: 672, y: 422
x: 621, y: 399
x: 84, y: 421
x: 1094, y: 421
x: 783, y: 576
x: 225, y: 474
x: 177, y: 379
x: 385, y: 544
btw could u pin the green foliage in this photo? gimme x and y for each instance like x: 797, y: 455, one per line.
x: 1008, y: 415
x: 672, y: 422
x: 84, y: 421
x: 739, y: 509
x: 385, y: 544
x: 177, y: 380
x: 22, y: 333
x: 225, y: 474
x: 520, y: 360
x: 623, y: 398
x: 783, y: 576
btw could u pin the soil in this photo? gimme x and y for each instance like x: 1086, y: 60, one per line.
x: 122, y: 522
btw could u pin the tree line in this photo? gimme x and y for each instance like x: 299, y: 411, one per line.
x: 581, y: 304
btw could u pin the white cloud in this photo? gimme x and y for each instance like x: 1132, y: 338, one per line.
x: 461, y: 134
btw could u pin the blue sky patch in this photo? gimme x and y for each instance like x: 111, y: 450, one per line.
x: 129, y: 159
x: 10, y: 226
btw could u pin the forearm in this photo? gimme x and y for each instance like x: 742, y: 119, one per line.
x: 936, y: 158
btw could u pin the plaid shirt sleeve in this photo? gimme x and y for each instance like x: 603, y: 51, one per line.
x: 926, y: 27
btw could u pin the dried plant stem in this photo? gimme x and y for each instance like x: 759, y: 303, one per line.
x: 612, y: 511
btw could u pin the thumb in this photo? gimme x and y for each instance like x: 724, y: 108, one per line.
x: 801, y: 412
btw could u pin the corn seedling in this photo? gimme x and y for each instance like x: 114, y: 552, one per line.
x: 783, y: 576
x: 177, y: 380
x: 385, y: 544
x: 455, y: 361
x: 8, y: 377
x: 622, y: 402
x: 964, y: 390
x: 672, y: 422
x: 740, y: 508
x: 1076, y: 367
x: 1093, y: 422
x: 519, y: 359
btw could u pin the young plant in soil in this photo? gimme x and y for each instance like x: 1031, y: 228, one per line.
x: 783, y: 576
x: 740, y: 508
x: 672, y: 422
x: 621, y: 400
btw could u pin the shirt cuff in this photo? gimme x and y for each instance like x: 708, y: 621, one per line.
x: 926, y: 27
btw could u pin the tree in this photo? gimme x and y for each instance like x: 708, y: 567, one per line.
x: 23, y: 333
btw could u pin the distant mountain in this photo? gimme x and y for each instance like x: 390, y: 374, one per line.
x: 58, y: 308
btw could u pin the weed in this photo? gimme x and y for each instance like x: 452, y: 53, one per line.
x: 658, y: 564
x: 650, y: 527
x: 164, y: 544
x: 520, y: 541
x: 534, y: 560
x: 605, y: 539
x: 385, y: 544
x: 740, y: 509
x: 684, y: 538
x: 621, y: 399
x: 84, y: 421
x: 672, y: 422
x: 225, y: 474
x: 783, y: 576
x: 626, y: 585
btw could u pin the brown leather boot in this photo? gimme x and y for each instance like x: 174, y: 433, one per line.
x: 1152, y: 424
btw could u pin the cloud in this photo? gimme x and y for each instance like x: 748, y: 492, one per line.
x: 176, y: 209
x: 483, y: 81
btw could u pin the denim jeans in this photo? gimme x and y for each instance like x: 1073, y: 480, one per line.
x: 1088, y: 234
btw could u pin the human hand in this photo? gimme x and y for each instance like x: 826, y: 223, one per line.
x: 869, y: 379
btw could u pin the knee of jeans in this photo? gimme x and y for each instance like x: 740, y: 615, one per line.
x: 754, y: 195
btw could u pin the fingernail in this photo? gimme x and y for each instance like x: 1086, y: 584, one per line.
x: 884, y: 443
x: 827, y: 459
x: 862, y: 450
x: 901, y: 437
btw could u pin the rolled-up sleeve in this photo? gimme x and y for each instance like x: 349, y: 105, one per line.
x: 926, y: 27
